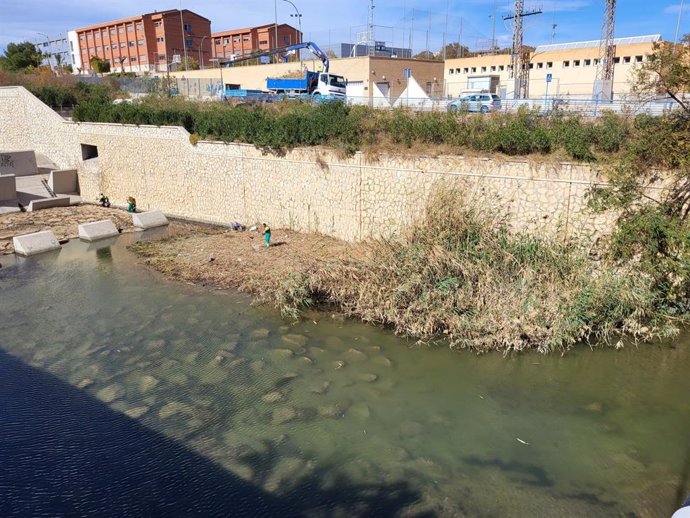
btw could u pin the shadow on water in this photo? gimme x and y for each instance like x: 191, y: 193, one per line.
x: 529, y: 474
x: 64, y: 453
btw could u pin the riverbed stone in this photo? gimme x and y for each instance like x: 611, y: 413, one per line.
x: 192, y: 357
x: 411, y: 428
x: 147, y: 383
x: 213, y: 376
x: 338, y: 364
x: 136, y: 412
x: 367, y: 377
x: 273, y: 397
x: 332, y: 411
x: 320, y: 388
x: 110, y: 393
x: 294, y: 340
x: 285, y: 378
x: 85, y: 383
x: 284, y: 414
x: 596, y: 407
x: 334, y: 342
x: 257, y: 365
x: 286, y: 472
x: 305, y: 360
x: 316, y: 351
x: 174, y: 408
x: 282, y: 354
x: 259, y: 333
x: 355, y: 354
x: 383, y: 360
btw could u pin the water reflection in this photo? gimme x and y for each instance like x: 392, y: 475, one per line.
x: 322, y: 417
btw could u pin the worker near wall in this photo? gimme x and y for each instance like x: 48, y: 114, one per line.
x: 131, y: 204
x: 267, y: 235
x: 103, y: 200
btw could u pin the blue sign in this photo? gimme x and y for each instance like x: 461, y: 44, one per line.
x: 549, y: 77
x: 265, y: 60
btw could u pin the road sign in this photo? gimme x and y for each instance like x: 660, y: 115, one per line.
x: 549, y: 78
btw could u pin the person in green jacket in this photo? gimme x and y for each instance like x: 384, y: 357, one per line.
x: 267, y: 235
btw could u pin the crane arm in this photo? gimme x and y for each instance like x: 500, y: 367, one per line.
x: 310, y: 45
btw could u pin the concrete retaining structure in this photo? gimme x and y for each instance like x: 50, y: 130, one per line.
x: 36, y: 243
x: 311, y: 190
x: 48, y: 203
x: 8, y: 188
x: 18, y: 163
x: 98, y: 230
x: 150, y: 219
x: 64, y: 181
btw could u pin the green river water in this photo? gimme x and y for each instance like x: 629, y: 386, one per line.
x: 220, y: 408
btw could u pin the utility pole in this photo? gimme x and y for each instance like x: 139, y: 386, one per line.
x: 519, y: 58
x: 445, y: 31
x: 493, y: 30
x: 371, y: 42
x: 603, y: 83
x: 680, y: 15
x: 184, y: 40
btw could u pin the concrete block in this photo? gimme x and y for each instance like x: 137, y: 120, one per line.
x: 8, y: 187
x: 48, y: 203
x: 18, y: 163
x: 150, y: 219
x: 64, y: 181
x: 36, y: 243
x: 97, y: 230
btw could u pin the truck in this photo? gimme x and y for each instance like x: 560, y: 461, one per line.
x: 315, y: 85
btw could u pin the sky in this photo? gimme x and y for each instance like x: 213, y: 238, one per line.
x: 423, y: 23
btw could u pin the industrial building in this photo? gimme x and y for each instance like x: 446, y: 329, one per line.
x: 565, y: 70
x: 144, y: 43
x: 370, y: 80
x: 240, y: 42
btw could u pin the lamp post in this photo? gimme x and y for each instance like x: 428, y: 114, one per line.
x: 297, y: 15
x: 201, y: 45
x: 222, y: 82
x: 184, y: 40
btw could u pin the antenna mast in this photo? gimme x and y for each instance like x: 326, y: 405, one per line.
x: 603, y: 84
x: 371, y: 42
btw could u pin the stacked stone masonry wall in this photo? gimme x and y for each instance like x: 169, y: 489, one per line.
x: 309, y: 190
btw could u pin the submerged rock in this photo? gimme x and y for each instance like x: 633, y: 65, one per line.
x: 294, y: 340
x: 411, y: 428
x: 306, y: 360
x: 320, y: 388
x: 383, y: 360
x: 110, y: 393
x: 338, y: 364
x: 192, y: 357
x: 596, y: 408
x: 147, y: 383
x: 174, y: 408
x: 86, y: 382
x: 136, y: 412
x: 367, y: 377
x: 286, y: 472
x: 284, y: 414
x: 282, y: 354
x: 273, y: 397
x: 356, y: 354
x: 330, y: 411
x: 334, y: 342
x: 359, y: 411
x: 285, y: 379
x: 259, y: 333
x: 257, y: 365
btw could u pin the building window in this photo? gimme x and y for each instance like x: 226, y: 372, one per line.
x: 140, y: 42
x: 576, y: 63
x: 263, y: 42
x: 566, y: 64
x: 188, y: 43
x: 626, y: 59
x: 99, y: 49
x: 465, y: 70
x: 158, y: 24
x: 483, y: 69
x: 246, y: 38
x: 588, y: 62
x: 131, y: 44
x: 142, y: 58
x: 493, y: 68
x: 121, y: 30
x: 133, y: 58
x: 160, y: 39
x: 596, y: 61
x: 97, y: 35
x: 187, y: 27
x: 235, y: 40
x: 638, y: 59
x: 474, y: 69
x: 540, y: 65
x: 129, y: 28
x: 89, y: 36
x: 123, y: 45
x: 81, y: 37
x: 501, y: 68
x: 139, y: 27
x: 112, y: 32
x: 286, y: 39
x: 91, y: 50
x: 71, y: 46
x: 451, y: 71
x: 227, y: 40
x: 616, y: 61
x: 457, y: 70
x: 161, y: 57
x: 218, y: 41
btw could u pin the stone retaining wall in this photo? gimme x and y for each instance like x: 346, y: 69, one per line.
x: 307, y: 190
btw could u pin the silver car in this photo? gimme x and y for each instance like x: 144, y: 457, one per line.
x: 483, y: 103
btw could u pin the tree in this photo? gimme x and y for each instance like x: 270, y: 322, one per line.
x: 20, y: 56
x: 666, y: 72
x: 455, y: 50
x: 425, y: 54
x: 331, y: 54
x: 192, y: 64
x: 100, y: 66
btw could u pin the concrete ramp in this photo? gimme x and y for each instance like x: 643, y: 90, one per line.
x: 98, y: 230
x: 49, y: 203
x: 36, y: 243
x: 150, y: 219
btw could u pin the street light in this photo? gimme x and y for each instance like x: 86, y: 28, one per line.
x: 222, y: 82
x: 201, y: 45
x: 297, y: 15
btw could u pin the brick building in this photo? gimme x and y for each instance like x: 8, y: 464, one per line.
x: 142, y: 43
x: 240, y: 42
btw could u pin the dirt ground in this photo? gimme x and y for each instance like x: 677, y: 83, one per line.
x: 201, y: 254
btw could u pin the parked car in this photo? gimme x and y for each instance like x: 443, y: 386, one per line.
x: 483, y: 103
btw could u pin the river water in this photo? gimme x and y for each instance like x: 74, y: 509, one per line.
x: 124, y: 394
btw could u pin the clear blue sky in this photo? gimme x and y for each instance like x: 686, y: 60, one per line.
x: 330, y: 22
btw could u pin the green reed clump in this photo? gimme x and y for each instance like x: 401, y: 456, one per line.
x: 460, y: 274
